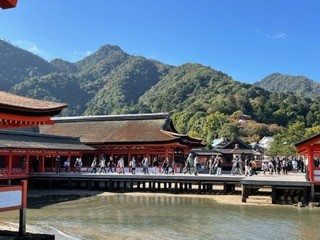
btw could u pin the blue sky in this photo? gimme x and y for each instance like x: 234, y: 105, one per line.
x: 246, y: 39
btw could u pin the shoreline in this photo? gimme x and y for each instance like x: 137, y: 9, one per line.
x: 232, y: 199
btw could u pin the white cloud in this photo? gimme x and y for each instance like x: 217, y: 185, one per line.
x: 279, y: 35
x: 82, y: 54
x: 29, y: 46
x: 276, y: 36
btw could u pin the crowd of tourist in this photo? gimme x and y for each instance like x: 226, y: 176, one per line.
x: 274, y: 166
x: 213, y: 166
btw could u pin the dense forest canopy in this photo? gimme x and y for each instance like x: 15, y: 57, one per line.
x: 299, y: 85
x: 205, y: 103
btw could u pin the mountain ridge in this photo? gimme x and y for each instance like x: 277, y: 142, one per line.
x: 300, y: 85
x: 205, y: 102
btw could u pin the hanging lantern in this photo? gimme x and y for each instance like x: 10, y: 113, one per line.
x: 4, y: 4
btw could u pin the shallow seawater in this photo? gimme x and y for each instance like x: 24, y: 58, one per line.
x: 122, y: 216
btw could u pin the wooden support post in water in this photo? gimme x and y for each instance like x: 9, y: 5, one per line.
x: 176, y: 186
x: 305, y: 192
x: 90, y: 184
x: 50, y: 183
x: 153, y: 185
x: 131, y: 185
x: 199, y: 186
x: 273, y: 195
x: 244, y: 193
x: 110, y: 185
x: 225, y: 188
x: 69, y: 183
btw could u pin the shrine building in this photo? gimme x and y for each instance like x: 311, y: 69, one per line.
x: 36, y: 152
x: 133, y: 135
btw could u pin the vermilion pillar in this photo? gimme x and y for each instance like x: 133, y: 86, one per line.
x: 42, y: 163
x: 10, y: 165
x: 129, y: 157
x: 310, y: 164
x: 166, y: 155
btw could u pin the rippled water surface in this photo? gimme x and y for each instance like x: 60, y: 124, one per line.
x: 165, y: 217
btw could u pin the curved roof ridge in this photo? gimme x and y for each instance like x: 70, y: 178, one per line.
x: 36, y: 134
x: 16, y: 102
x: 174, y: 133
x: 122, y: 117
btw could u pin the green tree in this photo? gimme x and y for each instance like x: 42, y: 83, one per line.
x: 283, y: 143
x: 229, y: 131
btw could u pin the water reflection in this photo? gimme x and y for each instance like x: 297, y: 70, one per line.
x: 168, y: 217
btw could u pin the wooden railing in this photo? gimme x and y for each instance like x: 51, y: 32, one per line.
x: 13, y: 198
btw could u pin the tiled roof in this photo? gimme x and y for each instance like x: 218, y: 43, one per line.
x: 201, y: 152
x: 242, y: 151
x: 5, y: 4
x: 231, y: 145
x: 112, y: 129
x: 18, y: 104
x: 28, y: 140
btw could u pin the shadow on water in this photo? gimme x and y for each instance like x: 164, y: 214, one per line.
x: 37, y: 200
x: 41, y: 198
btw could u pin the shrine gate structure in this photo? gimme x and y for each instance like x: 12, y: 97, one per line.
x: 310, y: 148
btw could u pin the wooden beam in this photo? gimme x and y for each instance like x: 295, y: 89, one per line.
x: 13, y: 121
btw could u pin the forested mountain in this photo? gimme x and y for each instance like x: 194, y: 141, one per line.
x: 210, y: 103
x: 125, y: 85
x: 205, y: 103
x: 108, y: 81
x: 299, y: 85
x: 16, y: 65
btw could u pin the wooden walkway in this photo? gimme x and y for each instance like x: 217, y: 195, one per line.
x: 285, y: 189
x: 139, y: 182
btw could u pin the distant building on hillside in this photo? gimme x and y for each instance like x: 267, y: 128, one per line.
x: 262, y: 145
x: 243, y: 118
x: 218, y: 143
x: 265, y: 142
x: 226, y: 151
